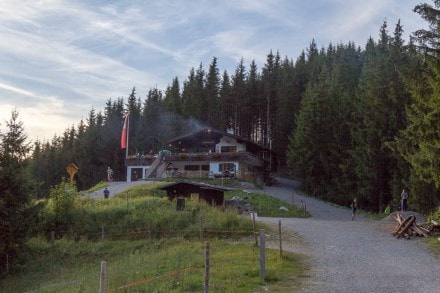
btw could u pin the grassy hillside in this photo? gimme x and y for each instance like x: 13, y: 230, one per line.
x: 148, y: 246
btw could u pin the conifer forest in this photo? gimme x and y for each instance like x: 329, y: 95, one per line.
x: 347, y: 120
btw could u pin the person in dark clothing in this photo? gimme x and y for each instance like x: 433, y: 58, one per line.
x: 404, y: 200
x: 106, y: 193
x: 353, y: 209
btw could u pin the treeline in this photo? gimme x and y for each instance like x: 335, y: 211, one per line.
x: 348, y: 121
x: 369, y: 122
x: 341, y: 117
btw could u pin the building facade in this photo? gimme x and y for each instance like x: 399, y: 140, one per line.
x: 205, y: 153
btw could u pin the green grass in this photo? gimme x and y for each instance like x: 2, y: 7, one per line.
x: 434, y: 243
x: 268, y: 206
x: 172, y: 265
x: 146, y: 239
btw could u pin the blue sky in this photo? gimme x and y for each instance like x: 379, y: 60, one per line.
x: 59, y: 59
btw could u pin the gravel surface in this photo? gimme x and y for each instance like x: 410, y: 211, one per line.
x: 117, y: 187
x: 345, y: 255
x: 354, y: 256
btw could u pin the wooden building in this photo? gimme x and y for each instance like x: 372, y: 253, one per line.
x: 206, y: 153
x: 213, y: 195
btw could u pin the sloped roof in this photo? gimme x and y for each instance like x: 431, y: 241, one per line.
x: 209, y: 136
x: 195, y: 184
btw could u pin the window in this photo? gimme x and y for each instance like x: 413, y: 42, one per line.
x: 192, y: 167
x: 205, y: 167
x: 229, y: 149
x: 226, y: 167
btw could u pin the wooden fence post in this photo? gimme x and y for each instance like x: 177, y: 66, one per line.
x: 207, y: 256
x: 279, y: 236
x: 102, y: 233
x: 262, y: 255
x: 103, y: 277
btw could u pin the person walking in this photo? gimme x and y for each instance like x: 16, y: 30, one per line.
x: 109, y: 174
x: 353, y: 209
x: 106, y: 192
x: 403, y: 200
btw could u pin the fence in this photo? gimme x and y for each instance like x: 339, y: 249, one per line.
x: 103, y: 276
x: 148, y: 231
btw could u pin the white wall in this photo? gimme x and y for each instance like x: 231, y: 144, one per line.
x: 229, y: 141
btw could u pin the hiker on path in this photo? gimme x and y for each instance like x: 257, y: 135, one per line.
x: 106, y: 193
x: 404, y: 200
x: 109, y: 174
x: 353, y: 209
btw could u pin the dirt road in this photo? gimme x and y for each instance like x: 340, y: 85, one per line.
x: 345, y: 255
x: 355, y: 256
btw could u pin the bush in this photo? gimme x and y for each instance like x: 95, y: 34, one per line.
x: 435, y: 215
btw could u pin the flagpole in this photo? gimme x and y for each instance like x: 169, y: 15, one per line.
x: 126, y: 138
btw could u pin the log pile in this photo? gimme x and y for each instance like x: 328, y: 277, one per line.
x: 407, y: 227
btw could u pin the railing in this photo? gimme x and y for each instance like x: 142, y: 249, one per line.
x: 213, y: 157
x: 246, y: 157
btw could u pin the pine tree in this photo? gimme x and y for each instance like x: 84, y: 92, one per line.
x: 235, y: 106
x: 380, y: 114
x: 211, y: 100
x: 419, y: 143
x: 15, y: 189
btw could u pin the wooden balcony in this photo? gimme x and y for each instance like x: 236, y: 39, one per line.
x: 244, y: 157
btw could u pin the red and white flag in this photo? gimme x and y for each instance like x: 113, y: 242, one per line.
x: 124, y: 133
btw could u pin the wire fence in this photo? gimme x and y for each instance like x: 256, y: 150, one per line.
x: 100, y: 279
x: 149, y: 231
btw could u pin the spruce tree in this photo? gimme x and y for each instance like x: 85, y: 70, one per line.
x: 419, y: 143
x: 15, y: 189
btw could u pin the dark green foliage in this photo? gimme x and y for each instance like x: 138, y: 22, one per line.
x: 318, y: 149
x: 61, y: 211
x: 419, y: 142
x: 380, y: 114
x: 335, y: 116
x: 16, y: 187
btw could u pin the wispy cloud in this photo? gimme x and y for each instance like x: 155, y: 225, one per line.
x: 16, y: 90
x: 60, y: 58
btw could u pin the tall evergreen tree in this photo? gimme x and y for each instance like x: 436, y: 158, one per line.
x: 419, y: 142
x: 211, y: 99
x: 192, y: 94
x: 152, y: 127
x: 380, y: 110
x: 225, y: 98
x: 270, y: 78
x: 173, y: 108
x: 256, y: 101
x: 15, y: 189
x: 235, y: 106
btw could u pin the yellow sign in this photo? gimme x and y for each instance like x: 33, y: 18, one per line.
x: 72, y: 169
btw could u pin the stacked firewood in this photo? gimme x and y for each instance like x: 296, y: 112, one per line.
x: 407, y: 227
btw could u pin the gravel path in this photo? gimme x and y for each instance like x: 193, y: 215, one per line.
x: 117, y: 187
x: 345, y: 255
x: 354, y: 256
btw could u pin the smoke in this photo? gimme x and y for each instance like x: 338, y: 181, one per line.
x: 174, y: 125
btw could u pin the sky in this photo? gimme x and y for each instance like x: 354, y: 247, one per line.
x: 59, y: 59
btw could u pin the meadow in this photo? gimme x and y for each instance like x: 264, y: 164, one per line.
x: 148, y: 246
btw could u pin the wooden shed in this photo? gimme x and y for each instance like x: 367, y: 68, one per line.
x: 211, y: 194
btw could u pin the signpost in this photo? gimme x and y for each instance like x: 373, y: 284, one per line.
x: 72, y: 169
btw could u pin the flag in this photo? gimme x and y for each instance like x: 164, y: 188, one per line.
x: 124, y: 133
